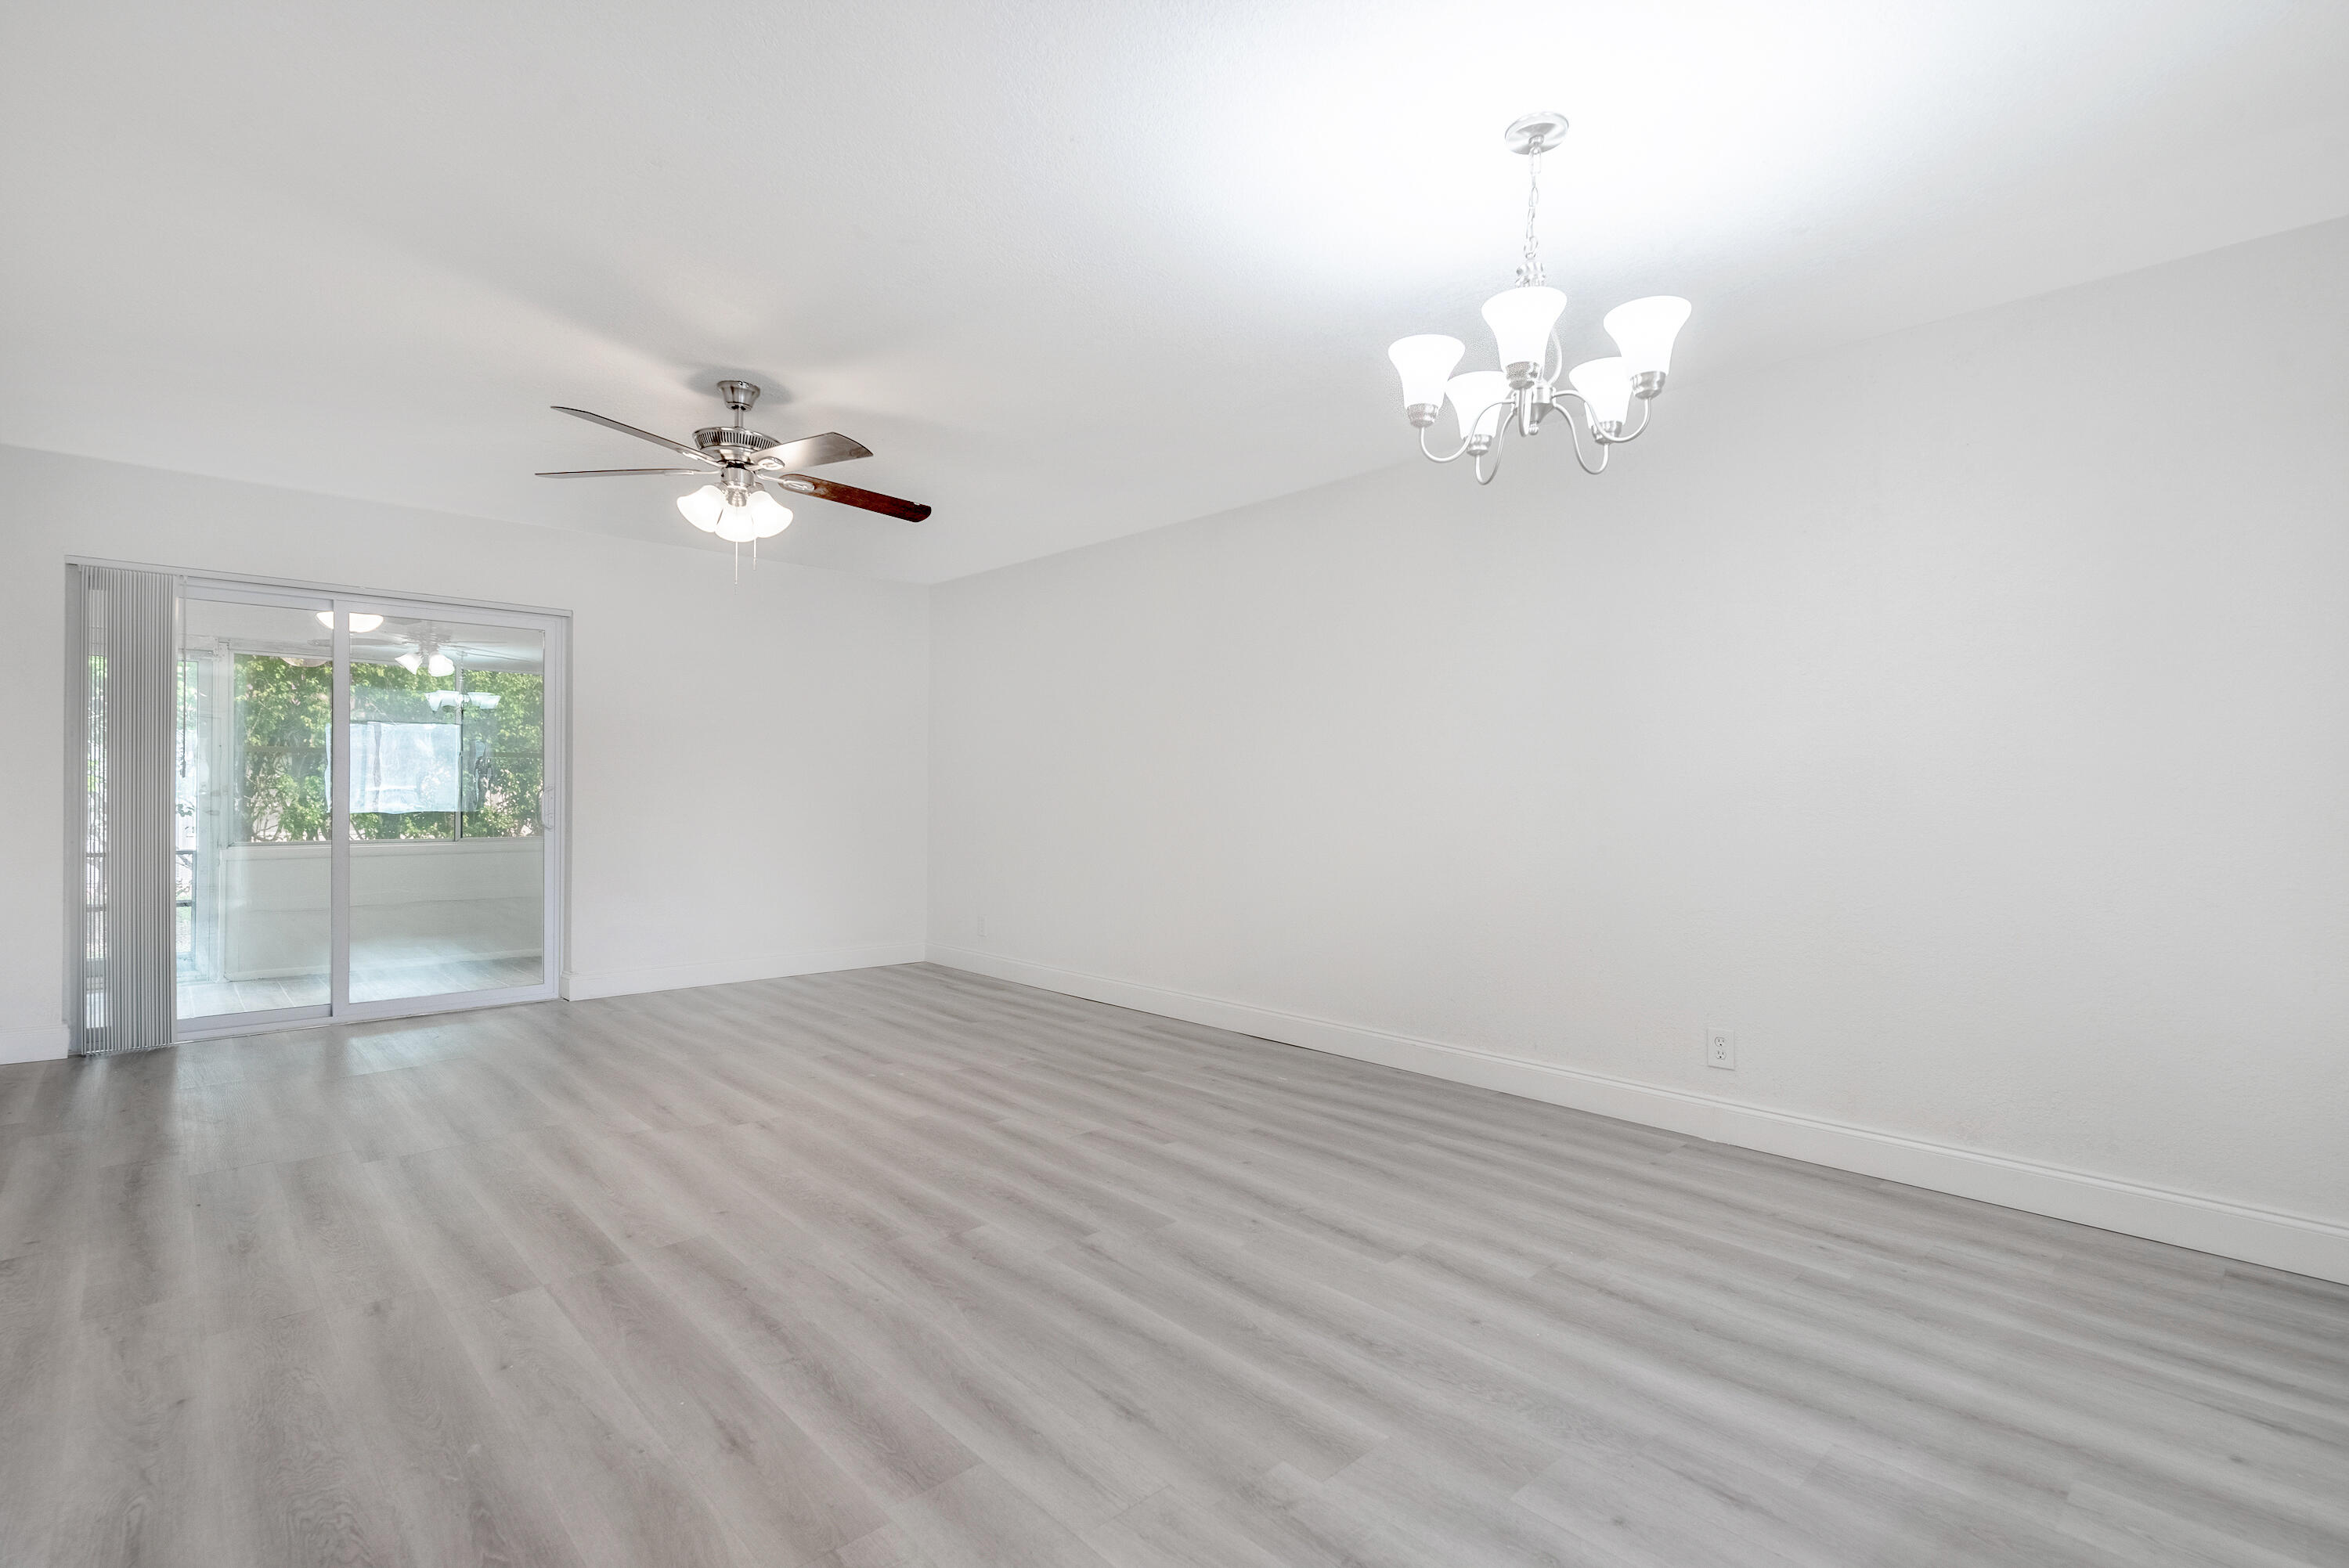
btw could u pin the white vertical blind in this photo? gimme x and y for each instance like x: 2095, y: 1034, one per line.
x: 121, y: 713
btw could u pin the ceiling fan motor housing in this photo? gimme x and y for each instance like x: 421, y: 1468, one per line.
x: 731, y: 443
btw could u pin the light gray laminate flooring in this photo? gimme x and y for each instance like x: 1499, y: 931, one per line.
x: 908, y: 1267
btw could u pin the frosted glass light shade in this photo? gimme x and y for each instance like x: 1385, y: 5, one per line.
x: 1606, y: 386
x: 1521, y: 319
x: 702, y: 506
x: 439, y: 665
x: 1480, y: 400
x: 411, y: 662
x: 736, y: 524
x: 1424, y: 363
x: 358, y: 623
x: 767, y: 515
x: 1644, y: 329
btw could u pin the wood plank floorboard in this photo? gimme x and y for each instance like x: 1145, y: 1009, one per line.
x: 909, y: 1268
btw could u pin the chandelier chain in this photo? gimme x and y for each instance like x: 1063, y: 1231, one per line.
x: 1529, y: 271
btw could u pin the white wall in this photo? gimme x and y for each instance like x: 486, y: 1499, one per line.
x: 748, y: 762
x: 1962, y: 719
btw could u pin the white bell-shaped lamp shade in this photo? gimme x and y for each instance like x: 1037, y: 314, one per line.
x: 770, y: 516
x: 1425, y: 363
x: 702, y: 507
x: 440, y: 665
x: 1521, y: 319
x: 1480, y: 400
x: 738, y: 524
x: 1606, y: 386
x: 411, y: 662
x: 1644, y: 329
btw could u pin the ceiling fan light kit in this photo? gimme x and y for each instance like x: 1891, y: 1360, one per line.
x: 1526, y: 391
x: 739, y: 464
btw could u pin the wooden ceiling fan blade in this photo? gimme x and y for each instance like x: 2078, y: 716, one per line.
x: 849, y: 495
x: 808, y: 451
x: 605, y: 473
x: 693, y: 452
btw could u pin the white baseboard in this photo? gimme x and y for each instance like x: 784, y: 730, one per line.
x: 2297, y: 1243
x: 580, y: 987
x: 41, y: 1043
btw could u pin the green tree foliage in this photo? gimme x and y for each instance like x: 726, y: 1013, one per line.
x: 284, y: 712
x: 285, y: 715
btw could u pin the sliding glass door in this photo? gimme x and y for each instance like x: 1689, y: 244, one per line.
x: 446, y: 735
x: 364, y: 815
x: 252, y: 849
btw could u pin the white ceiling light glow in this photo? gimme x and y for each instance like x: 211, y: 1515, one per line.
x: 1525, y: 392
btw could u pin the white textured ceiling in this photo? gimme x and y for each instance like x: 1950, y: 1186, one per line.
x: 1071, y: 268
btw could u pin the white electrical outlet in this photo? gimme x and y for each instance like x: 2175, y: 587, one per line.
x: 1721, y: 1050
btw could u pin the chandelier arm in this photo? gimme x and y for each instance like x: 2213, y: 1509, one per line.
x: 1647, y: 406
x: 1493, y: 451
x: 1574, y: 431
x: 1432, y: 456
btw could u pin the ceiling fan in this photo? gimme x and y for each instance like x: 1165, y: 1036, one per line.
x: 740, y: 463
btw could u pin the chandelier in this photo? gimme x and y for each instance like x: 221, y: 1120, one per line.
x: 1526, y: 391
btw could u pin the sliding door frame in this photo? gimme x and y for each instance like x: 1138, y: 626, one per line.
x: 553, y: 793
x: 553, y: 806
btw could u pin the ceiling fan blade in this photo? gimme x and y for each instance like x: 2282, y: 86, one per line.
x: 849, y: 495
x: 831, y: 447
x: 604, y: 473
x: 693, y: 452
